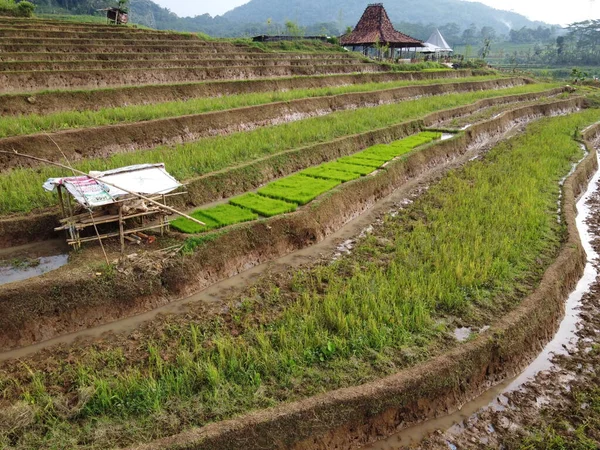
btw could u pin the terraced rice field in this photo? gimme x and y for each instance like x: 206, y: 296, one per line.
x: 278, y: 153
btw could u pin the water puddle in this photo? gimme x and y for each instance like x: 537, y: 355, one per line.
x: 446, y: 136
x: 564, y: 339
x: 462, y: 334
x: 19, y: 270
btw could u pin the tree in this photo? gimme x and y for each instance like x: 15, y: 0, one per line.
x: 485, y: 50
x: 488, y: 32
x: 469, y: 36
x: 293, y: 29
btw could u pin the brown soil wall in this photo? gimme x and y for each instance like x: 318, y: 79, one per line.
x: 65, y: 300
x: 350, y: 418
x: 103, y: 141
x: 162, y: 64
x: 21, y: 229
x: 153, y: 46
x: 34, y: 81
x: 126, y: 40
x: 230, y: 54
x: 56, y: 101
x: 82, y: 33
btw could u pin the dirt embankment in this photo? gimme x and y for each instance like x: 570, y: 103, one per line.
x: 350, y: 418
x: 21, y: 229
x: 241, y: 54
x: 56, y: 101
x: 162, y: 64
x: 127, y: 40
x: 82, y: 33
x: 35, y: 81
x: 67, y: 300
x: 103, y: 141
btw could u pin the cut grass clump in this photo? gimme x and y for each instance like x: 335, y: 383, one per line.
x: 329, y: 173
x: 298, y: 188
x: 265, y: 206
x: 215, y: 217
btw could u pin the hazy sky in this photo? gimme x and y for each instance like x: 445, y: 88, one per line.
x: 553, y: 11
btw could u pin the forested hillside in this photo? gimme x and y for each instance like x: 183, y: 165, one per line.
x: 332, y: 17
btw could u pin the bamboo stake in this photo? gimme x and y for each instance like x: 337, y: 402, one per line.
x: 45, y: 161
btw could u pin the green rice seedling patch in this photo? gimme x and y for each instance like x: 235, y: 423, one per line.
x: 352, y: 168
x: 187, y: 226
x: 215, y: 217
x: 298, y: 188
x: 265, y: 206
x: 21, y: 190
x: 229, y: 214
x: 329, y: 173
x: 360, y: 160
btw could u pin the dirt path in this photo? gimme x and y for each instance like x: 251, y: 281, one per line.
x: 555, y: 402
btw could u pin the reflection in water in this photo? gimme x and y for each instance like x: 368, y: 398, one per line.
x: 12, y: 273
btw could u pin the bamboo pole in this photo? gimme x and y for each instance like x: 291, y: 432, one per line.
x: 45, y: 161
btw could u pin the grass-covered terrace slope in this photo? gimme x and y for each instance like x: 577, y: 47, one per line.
x: 21, y: 187
x: 36, y: 123
x: 474, y: 244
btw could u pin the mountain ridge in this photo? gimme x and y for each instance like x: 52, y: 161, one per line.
x: 347, y: 13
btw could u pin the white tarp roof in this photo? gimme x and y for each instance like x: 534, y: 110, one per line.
x: 438, y: 41
x: 148, y: 179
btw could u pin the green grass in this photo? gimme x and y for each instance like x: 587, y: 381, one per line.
x: 480, y: 238
x: 21, y: 188
x: 215, y: 217
x: 36, y: 123
x: 267, y: 207
x: 297, y: 188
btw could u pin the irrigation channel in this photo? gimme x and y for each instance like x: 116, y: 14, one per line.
x: 467, y: 427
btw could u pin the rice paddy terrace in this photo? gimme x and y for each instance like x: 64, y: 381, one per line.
x: 354, y: 216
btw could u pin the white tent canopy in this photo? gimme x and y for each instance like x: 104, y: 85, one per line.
x: 435, y: 44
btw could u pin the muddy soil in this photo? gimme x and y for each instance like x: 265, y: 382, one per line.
x: 519, y: 416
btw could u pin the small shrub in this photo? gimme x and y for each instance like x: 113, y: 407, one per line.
x: 25, y: 9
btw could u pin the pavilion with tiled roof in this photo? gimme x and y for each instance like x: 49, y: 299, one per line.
x: 375, y: 28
